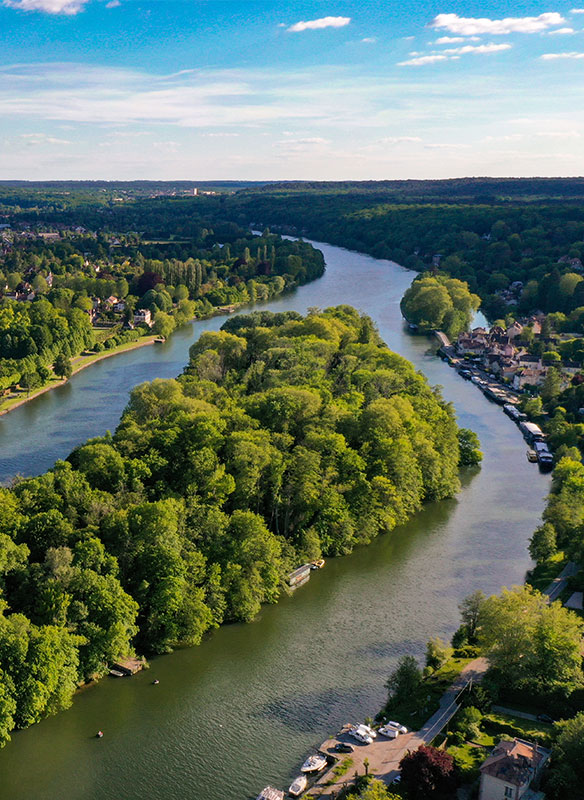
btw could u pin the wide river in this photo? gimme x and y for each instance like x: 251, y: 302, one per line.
x: 241, y: 710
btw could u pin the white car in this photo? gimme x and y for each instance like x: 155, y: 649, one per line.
x: 397, y: 726
x: 360, y: 736
x: 389, y: 732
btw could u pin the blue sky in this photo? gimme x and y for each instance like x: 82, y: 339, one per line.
x: 328, y: 89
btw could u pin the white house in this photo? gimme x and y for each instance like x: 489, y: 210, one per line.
x: 143, y: 315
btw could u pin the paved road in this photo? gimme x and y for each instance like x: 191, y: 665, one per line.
x: 384, y: 755
x: 558, y: 584
x: 514, y: 713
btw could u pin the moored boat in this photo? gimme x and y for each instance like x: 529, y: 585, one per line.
x: 269, y: 793
x: 314, y: 763
x: 298, y: 786
x: 532, y: 456
x: 318, y: 564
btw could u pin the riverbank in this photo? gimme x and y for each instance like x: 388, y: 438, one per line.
x: 78, y: 364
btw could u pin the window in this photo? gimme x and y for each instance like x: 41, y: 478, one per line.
x: 508, y: 791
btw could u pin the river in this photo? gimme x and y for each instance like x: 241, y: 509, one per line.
x: 241, y: 710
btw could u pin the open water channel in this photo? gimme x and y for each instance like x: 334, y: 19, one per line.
x: 242, y: 710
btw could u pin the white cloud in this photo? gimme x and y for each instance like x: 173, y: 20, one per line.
x: 561, y: 32
x: 67, y: 7
x: 369, y: 40
x: 577, y: 11
x: 307, y: 140
x: 113, y: 4
x: 558, y: 56
x: 454, y: 39
x: 471, y: 26
x: 480, y: 49
x: 422, y: 60
x: 41, y: 138
x: 392, y: 140
x: 319, y: 24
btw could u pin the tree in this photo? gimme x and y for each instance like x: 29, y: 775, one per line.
x: 552, y: 385
x: 470, y: 613
x: 529, y: 643
x: 428, y: 774
x: 163, y: 324
x: 62, y: 366
x: 470, y: 453
x: 437, y: 653
x: 567, y: 776
x: 405, y: 681
x: 543, y: 545
x: 30, y: 380
x: 375, y: 790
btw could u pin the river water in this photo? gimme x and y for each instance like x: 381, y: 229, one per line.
x: 241, y: 710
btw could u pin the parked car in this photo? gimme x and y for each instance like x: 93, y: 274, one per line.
x: 397, y: 725
x: 389, y: 732
x: 361, y: 735
x: 343, y: 747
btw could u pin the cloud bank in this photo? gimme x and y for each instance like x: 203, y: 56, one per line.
x: 470, y: 26
x: 67, y: 7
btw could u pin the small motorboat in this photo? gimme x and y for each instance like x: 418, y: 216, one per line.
x: 318, y: 564
x: 314, y: 764
x: 116, y: 673
x: 99, y: 735
x: 532, y: 456
x: 155, y: 682
x: 298, y: 786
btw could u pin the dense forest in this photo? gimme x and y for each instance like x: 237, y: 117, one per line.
x: 57, y: 276
x: 286, y: 438
x: 488, y: 245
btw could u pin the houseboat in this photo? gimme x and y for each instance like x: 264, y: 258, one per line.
x: 531, y: 432
x: 299, y: 576
x: 532, y: 456
x: 269, y: 793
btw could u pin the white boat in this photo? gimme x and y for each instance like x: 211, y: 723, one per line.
x: 314, y: 764
x: 369, y: 731
x: 298, y: 786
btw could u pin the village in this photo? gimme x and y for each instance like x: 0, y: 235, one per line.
x: 508, y: 354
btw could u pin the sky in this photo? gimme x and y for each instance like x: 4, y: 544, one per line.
x: 313, y: 90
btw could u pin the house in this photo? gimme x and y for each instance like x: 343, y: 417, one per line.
x: 516, y: 329
x: 528, y: 377
x: 143, y: 316
x: 120, y: 306
x: 511, y: 769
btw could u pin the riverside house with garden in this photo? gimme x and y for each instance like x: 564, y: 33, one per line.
x: 512, y: 771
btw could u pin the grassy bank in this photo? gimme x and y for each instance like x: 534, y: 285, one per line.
x: 78, y: 364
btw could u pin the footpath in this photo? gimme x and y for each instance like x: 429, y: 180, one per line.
x: 384, y: 755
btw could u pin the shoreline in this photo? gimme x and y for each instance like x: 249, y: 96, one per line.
x: 89, y: 361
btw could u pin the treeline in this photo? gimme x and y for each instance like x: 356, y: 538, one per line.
x: 287, y: 438
x: 490, y: 246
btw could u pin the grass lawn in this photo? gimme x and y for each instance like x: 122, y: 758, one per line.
x: 493, y: 727
x: 543, y: 574
x: 496, y: 723
x: 414, y: 712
